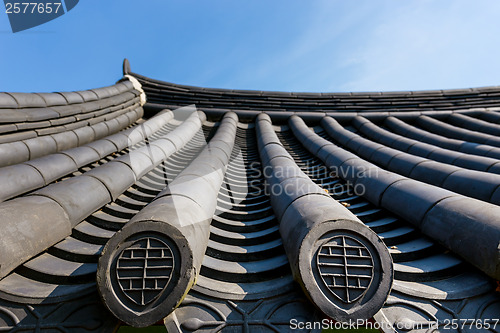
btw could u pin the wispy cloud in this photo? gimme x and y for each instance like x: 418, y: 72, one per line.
x: 315, y: 56
x: 429, y: 45
x: 385, y: 45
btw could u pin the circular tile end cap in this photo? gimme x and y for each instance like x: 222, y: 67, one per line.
x: 346, y: 270
x: 144, y: 272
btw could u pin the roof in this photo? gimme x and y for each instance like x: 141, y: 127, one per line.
x: 211, y: 209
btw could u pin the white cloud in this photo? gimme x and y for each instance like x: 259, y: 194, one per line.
x: 431, y: 44
x: 384, y: 45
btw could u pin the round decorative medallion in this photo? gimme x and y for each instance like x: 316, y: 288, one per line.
x: 346, y: 267
x: 144, y: 269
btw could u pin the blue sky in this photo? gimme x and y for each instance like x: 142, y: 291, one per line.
x: 288, y: 45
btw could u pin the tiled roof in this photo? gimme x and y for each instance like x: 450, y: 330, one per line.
x: 245, y: 211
